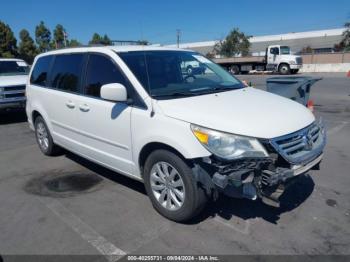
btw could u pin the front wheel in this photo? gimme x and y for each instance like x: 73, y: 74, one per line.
x: 171, y: 188
x: 284, y: 69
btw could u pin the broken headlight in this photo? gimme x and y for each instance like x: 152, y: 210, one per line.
x: 228, y: 146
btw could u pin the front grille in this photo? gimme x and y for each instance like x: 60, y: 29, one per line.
x: 14, y: 88
x: 13, y: 92
x: 301, y: 146
x: 14, y: 95
x: 299, y: 60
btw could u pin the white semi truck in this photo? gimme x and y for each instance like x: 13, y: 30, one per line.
x: 277, y: 59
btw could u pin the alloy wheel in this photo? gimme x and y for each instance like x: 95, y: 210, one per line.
x: 167, y: 186
x: 43, y: 137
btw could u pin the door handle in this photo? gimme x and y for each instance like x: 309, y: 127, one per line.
x: 70, y: 104
x: 84, y: 108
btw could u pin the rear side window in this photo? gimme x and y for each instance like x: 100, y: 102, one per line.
x: 40, y: 71
x: 101, y: 71
x: 66, y: 72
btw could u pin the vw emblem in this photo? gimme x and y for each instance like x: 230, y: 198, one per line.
x: 308, y: 142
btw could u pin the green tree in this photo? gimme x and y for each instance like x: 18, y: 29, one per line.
x: 42, y: 37
x: 346, y: 37
x: 106, y: 40
x: 8, y: 42
x: 344, y: 45
x: 73, y: 43
x: 236, y: 43
x: 27, y: 49
x: 96, y: 39
x: 59, y: 36
x: 99, y: 40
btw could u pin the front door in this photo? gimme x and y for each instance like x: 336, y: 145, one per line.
x: 273, y: 55
x: 105, y: 135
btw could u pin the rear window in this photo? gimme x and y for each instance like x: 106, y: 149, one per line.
x: 40, y: 71
x: 66, y: 72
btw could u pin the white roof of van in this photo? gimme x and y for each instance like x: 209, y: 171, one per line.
x: 126, y: 48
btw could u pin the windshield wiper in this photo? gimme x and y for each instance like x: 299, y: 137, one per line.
x: 176, y: 94
x: 216, y: 89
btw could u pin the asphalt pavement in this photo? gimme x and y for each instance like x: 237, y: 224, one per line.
x: 69, y: 206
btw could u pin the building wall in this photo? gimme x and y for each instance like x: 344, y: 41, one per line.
x: 322, y: 39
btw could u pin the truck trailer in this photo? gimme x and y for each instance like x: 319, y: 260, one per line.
x: 277, y: 59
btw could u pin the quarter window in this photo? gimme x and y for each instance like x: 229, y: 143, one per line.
x: 101, y: 71
x: 66, y: 72
x: 41, y: 68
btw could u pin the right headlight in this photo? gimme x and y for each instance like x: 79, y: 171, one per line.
x: 228, y: 146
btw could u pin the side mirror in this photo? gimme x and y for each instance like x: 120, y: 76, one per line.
x: 114, y: 92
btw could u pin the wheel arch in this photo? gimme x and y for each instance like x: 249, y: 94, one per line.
x: 151, y: 147
x: 283, y: 63
x: 35, y: 114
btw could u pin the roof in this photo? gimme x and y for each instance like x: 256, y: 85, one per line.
x: 299, y: 35
x: 125, y: 48
x: 11, y: 59
x: 336, y: 33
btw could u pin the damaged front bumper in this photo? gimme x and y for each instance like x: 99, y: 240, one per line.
x: 265, y: 178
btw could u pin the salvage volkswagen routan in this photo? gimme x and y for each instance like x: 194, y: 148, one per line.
x: 188, y: 137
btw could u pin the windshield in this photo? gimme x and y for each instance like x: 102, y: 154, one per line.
x: 13, y: 68
x: 285, y: 50
x: 170, y: 74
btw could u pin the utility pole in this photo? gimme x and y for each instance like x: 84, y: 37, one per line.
x: 65, y: 38
x: 178, y: 34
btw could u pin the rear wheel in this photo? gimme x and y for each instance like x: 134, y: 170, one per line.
x: 284, y: 69
x: 171, y: 188
x: 44, y: 138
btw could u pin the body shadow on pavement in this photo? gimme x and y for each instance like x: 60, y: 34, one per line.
x: 107, y: 173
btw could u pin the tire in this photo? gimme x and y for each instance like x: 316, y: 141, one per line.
x: 294, y: 71
x: 284, y: 69
x: 194, y: 198
x: 44, y: 138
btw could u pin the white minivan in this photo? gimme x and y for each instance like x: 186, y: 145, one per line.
x: 188, y: 137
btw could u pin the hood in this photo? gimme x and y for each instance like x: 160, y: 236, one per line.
x: 246, y: 111
x: 13, y: 80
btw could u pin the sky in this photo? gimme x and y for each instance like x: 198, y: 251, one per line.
x: 158, y: 20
